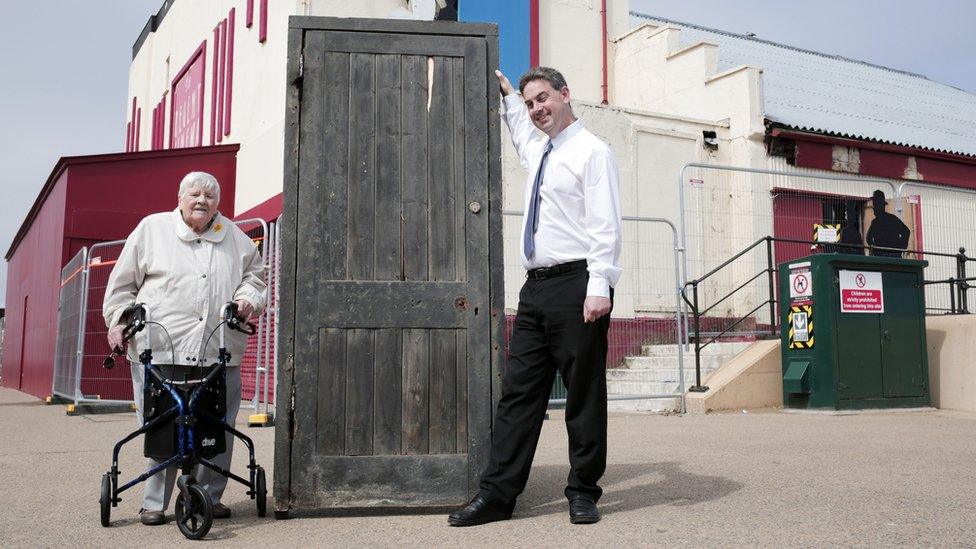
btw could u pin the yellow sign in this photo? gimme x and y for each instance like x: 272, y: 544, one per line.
x: 826, y: 233
x: 800, y: 320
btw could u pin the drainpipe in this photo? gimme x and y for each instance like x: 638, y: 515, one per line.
x: 603, y: 18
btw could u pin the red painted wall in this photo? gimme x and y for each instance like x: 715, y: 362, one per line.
x: 793, y: 218
x: 35, y: 275
x: 87, y: 199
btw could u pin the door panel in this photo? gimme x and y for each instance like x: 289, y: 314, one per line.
x: 859, y: 356
x: 392, y: 333
x: 901, y: 348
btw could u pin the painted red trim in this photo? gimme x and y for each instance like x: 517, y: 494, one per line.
x: 919, y: 239
x: 138, y: 127
x: 65, y: 161
x: 783, y: 191
x: 159, y: 125
x: 230, y: 69
x: 249, y: 14
x: 884, y: 164
x: 815, y: 155
x: 128, y: 136
x: 887, y: 147
x: 155, y: 129
x: 161, y: 109
x: 132, y: 128
x: 200, y: 51
x: 269, y: 210
x: 605, y: 38
x: 213, y: 87
x: 162, y: 122
x: 222, y: 72
x: 533, y: 33
x: 263, y: 22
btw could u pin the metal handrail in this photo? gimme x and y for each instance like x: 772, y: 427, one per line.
x: 957, y: 294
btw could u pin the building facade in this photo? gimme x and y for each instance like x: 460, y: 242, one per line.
x: 662, y: 93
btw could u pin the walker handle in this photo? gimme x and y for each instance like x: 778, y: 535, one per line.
x: 135, y: 317
x: 236, y: 322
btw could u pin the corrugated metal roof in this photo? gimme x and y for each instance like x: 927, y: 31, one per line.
x: 830, y: 94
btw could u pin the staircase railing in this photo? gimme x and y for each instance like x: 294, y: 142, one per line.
x: 957, y: 286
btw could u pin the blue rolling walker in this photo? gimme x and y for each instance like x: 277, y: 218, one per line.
x: 183, y: 424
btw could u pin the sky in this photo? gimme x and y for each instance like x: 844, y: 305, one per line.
x: 65, y: 66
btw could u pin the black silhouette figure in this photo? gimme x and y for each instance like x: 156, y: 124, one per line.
x: 886, y: 230
x: 850, y: 235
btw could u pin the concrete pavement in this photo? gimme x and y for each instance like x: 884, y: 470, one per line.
x: 757, y: 479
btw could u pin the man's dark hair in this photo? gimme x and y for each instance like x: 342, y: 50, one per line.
x: 554, y: 77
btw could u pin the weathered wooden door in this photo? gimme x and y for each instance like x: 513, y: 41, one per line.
x: 390, y: 307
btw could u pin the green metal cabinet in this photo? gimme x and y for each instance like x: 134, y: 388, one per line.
x: 853, y: 332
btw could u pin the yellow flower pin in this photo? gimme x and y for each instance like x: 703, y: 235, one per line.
x: 218, y: 227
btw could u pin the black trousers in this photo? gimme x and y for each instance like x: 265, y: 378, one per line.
x: 549, y: 333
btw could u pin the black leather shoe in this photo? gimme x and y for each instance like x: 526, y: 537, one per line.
x: 152, y: 518
x: 220, y: 511
x: 478, y: 511
x: 582, y: 510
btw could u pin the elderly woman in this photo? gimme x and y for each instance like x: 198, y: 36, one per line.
x: 185, y: 265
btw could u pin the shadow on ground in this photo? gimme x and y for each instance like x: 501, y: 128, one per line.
x: 626, y: 487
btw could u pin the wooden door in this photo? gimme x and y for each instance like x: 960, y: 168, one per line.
x: 392, y: 269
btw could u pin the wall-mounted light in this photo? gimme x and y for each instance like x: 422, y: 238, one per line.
x: 710, y: 140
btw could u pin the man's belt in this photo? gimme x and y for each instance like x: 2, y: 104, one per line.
x: 543, y: 273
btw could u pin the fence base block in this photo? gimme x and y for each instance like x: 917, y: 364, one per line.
x: 260, y: 420
x: 96, y: 408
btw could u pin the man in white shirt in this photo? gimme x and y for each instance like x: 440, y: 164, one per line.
x: 570, y: 247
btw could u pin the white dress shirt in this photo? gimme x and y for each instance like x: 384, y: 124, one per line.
x: 579, y: 211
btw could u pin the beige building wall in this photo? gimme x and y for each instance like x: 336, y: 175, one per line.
x: 258, y: 113
x: 650, y: 149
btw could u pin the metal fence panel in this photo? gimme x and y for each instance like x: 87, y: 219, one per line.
x: 71, y: 302
x: 946, y: 218
x: 96, y: 383
x: 646, y: 312
x: 254, y: 363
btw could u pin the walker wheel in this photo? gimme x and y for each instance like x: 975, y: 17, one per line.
x: 194, y: 517
x: 105, y: 500
x: 261, y: 492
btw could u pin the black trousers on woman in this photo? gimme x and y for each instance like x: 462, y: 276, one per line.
x: 550, y: 334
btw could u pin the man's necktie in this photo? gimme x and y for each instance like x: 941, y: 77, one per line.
x: 532, y: 222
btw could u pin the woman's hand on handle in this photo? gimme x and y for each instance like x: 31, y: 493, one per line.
x: 115, y: 337
x: 244, y: 309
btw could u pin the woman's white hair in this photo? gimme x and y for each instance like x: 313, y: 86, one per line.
x: 203, y: 180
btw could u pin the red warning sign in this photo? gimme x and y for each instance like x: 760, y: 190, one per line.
x: 861, y: 292
x: 801, y: 282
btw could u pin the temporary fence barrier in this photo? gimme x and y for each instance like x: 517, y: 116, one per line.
x: 71, y: 327
x: 254, y: 363
x: 646, y: 311
x: 945, y: 223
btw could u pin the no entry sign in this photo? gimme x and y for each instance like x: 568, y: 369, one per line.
x: 861, y: 292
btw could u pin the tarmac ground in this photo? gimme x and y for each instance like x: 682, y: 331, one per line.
x: 747, y: 479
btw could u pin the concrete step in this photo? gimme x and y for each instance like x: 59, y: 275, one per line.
x: 642, y: 388
x: 644, y: 405
x: 620, y: 375
x: 717, y: 348
x: 665, y: 362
